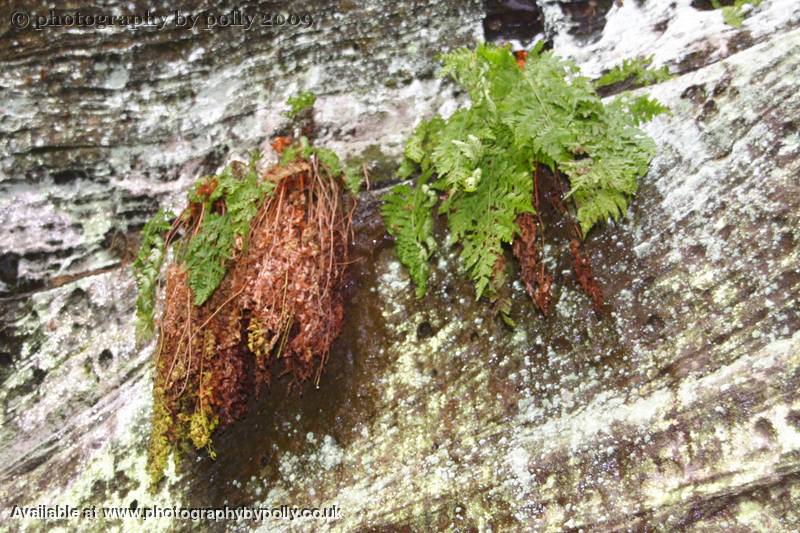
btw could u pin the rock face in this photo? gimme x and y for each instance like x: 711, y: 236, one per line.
x: 678, y: 410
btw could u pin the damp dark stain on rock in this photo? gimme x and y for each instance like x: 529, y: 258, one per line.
x: 695, y: 94
x: 38, y: 376
x: 708, y: 5
x: 512, y: 19
x: 661, y: 26
x: 587, y: 17
x: 695, y: 59
x: 741, y: 41
x: 9, y: 268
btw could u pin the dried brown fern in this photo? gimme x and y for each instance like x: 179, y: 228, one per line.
x: 280, y: 299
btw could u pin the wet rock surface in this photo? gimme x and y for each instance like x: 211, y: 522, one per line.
x: 99, y: 127
x: 678, y: 409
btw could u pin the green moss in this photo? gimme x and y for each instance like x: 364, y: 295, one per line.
x: 380, y: 166
x: 300, y: 103
x: 159, y: 447
x: 734, y: 15
x: 201, y: 426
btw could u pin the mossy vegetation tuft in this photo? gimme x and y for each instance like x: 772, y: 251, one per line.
x: 253, y: 282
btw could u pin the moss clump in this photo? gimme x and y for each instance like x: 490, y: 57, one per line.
x: 300, y: 103
x: 255, y: 281
x: 159, y: 447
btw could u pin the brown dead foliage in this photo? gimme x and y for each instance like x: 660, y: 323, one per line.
x: 280, y: 143
x: 279, y: 302
x: 537, y: 282
x: 521, y: 56
x: 585, y: 276
x: 547, y: 186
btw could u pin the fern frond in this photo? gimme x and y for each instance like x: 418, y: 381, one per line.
x: 299, y: 103
x: 734, y: 15
x: 353, y: 180
x: 146, y: 269
x: 483, y: 220
x: 208, y: 251
x: 638, y: 70
x: 407, y: 215
x: 208, y: 254
x: 644, y: 109
x: 483, y: 156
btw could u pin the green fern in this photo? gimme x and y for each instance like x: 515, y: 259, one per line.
x: 484, y: 219
x: 482, y: 158
x: 146, y: 268
x: 207, y: 252
x: 408, y: 212
x: 353, y: 180
x: 643, y: 108
x: 638, y: 70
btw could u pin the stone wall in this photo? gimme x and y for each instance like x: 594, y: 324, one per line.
x: 678, y: 410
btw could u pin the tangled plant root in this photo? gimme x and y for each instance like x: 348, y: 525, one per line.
x: 280, y: 301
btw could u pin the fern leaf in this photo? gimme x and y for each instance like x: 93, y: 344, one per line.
x: 638, y: 70
x: 299, y: 103
x: 644, y: 109
x: 483, y: 156
x: 407, y: 214
x: 207, y: 252
x: 483, y: 220
x: 146, y: 269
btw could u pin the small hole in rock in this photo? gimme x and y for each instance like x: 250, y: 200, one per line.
x: 38, y: 375
x: 105, y: 357
x: 66, y: 176
x: 424, y: 331
x: 655, y: 322
x: 765, y: 428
